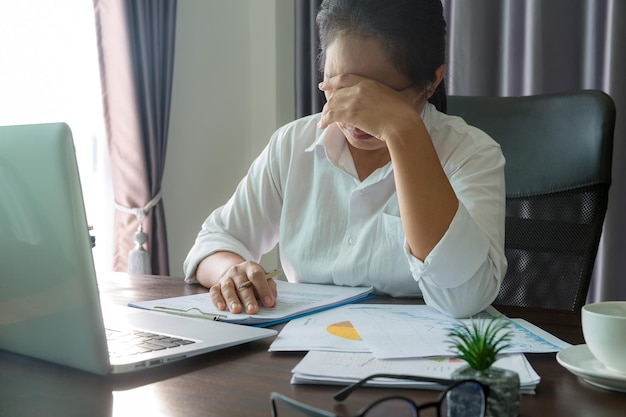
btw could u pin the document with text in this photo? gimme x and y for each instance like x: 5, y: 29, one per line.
x: 417, y: 331
x: 343, y: 368
x: 294, y: 300
x: 393, y: 331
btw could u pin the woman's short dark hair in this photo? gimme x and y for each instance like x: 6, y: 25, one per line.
x: 413, y: 32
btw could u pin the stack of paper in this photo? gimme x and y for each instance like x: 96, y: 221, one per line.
x: 319, y: 367
x: 350, y: 342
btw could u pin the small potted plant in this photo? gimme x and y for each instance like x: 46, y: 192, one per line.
x: 479, y: 343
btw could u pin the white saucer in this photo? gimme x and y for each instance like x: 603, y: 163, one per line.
x: 579, y: 361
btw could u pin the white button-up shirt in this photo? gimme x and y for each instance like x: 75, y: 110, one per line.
x: 303, y: 191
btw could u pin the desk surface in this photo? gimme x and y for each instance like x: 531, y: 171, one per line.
x: 237, y: 381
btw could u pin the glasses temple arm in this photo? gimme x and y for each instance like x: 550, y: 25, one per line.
x: 344, y: 393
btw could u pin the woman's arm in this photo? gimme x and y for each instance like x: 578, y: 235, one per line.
x: 426, y: 198
x: 234, y: 237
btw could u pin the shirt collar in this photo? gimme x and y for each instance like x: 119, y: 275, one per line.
x: 332, y: 142
x: 428, y: 115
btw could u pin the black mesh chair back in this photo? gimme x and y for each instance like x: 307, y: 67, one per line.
x: 558, y: 150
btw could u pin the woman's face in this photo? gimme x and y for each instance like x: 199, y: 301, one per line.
x: 365, y: 57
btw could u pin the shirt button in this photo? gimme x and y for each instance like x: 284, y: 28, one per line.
x: 352, y: 241
x: 361, y: 192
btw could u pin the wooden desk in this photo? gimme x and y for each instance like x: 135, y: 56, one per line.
x: 237, y: 381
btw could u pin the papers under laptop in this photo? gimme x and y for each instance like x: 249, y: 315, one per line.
x: 49, y: 301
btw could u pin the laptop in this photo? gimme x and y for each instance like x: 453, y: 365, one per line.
x: 50, y: 306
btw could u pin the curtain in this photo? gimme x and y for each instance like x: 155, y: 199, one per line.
x: 524, y: 47
x: 136, y: 52
x: 309, y: 98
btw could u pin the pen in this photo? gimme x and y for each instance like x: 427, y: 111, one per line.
x: 268, y: 276
x: 187, y: 313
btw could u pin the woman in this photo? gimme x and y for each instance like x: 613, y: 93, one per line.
x: 378, y: 189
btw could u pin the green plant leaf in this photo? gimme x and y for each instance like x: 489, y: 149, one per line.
x: 480, y: 341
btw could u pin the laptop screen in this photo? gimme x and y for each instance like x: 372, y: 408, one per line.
x: 49, y: 305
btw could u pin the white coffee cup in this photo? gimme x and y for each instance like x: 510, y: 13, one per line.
x: 604, y: 329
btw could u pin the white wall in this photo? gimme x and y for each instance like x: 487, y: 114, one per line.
x: 233, y: 86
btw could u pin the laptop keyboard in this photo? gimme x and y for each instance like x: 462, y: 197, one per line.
x: 128, y: 343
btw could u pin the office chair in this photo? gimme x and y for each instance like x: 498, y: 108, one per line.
x: 558, y: 150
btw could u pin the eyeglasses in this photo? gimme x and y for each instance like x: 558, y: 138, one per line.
x: 466, y: 398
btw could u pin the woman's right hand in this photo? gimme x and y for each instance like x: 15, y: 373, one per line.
x: 230, y: 293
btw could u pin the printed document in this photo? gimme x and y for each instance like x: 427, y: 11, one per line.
x: 414, y: 331
x: 391, y: 331
x: 344, y: 368
x: 294, y: 300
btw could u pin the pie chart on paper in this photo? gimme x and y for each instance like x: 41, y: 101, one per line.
x: 344, y: 329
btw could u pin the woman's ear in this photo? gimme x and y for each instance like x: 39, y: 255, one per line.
x: 439, y: 73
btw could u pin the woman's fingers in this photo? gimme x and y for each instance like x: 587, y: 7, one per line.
x: 238, y: 289
x: 224, y: 296
x: 367, y: 104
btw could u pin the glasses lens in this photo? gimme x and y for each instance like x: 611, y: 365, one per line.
x: 392, y: 407
x: 282, y: 409
x: 466, y: 399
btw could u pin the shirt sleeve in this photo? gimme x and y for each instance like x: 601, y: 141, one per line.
x: 248, y: 223
x: 462, y: 274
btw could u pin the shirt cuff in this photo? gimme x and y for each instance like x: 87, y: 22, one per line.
x: 457, y: 256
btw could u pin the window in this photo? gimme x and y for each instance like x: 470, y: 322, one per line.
x: 49, y: 73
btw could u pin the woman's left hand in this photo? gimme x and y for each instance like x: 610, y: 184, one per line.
x: 368, y: 105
